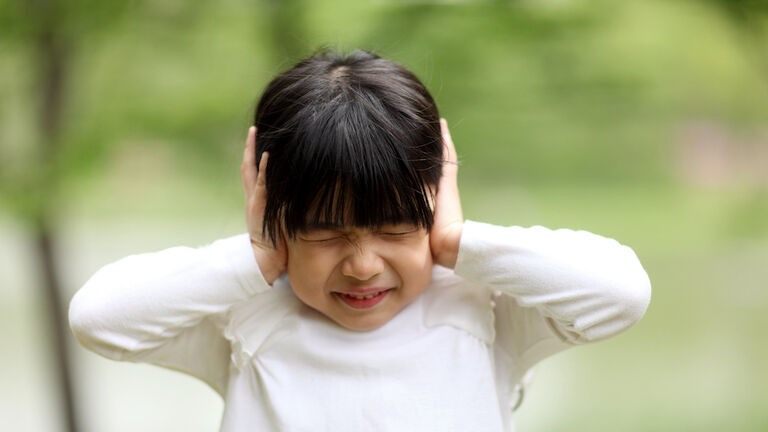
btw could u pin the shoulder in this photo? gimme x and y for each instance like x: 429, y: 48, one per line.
x: 454, y: 301
x: 250, y: 323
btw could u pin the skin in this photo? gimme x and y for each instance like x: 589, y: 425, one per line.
x: 326, y: 262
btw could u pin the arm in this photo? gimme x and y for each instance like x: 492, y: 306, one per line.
x: 558, y: 288
x: 165, y: 307
x: 574, y: 285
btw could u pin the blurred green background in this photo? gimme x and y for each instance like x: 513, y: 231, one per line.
x: 122, y: 126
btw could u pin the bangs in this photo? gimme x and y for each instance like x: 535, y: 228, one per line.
x: 366, y: 205
x: 350, y: 167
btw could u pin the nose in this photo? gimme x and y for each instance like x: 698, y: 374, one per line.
x: 362, y: 263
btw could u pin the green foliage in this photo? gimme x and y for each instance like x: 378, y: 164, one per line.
x: 748, y: 217
x: 591, y: 92
x: 587, y: 92
x: 24, y: 20
x: 566, y: 114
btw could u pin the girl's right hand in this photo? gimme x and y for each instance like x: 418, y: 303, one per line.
x: 272, y: 259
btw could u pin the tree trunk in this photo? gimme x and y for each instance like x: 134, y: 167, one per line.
x: 52, y: 56
x: 57, y: 321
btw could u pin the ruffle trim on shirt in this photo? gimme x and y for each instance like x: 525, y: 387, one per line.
x: 449, y: 301
x: 453, y: 301
x: 252, y: 322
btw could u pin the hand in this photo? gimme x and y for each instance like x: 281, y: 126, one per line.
x: 448, y: 223
x: 272, y: 260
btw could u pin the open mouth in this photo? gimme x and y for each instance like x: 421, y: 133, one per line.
x: 366, y: 301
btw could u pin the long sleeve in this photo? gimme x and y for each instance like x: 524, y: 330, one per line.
x: 166, y: 307
x: 556, y: 288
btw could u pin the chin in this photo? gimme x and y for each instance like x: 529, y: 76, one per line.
x: 363, y: 324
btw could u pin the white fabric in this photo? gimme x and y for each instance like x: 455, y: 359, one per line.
x: 449, y: 361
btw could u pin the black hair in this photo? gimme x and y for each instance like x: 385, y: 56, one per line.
x: 353, y: 139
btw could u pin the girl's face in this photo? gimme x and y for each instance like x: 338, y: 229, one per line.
x: 360, y: 277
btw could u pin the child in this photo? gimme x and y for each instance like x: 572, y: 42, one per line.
x: 360, y: 300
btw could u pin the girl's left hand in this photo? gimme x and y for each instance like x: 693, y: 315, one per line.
x: 448, y: 223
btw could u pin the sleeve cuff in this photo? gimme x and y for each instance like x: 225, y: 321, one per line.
x: 472, y: 249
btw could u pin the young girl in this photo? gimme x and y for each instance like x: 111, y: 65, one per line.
x: 359, y: 299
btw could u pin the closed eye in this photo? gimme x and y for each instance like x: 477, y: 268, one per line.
x: 320, y: 235
x: 320, y: 240
x: 397, y: 233
x: 398, y: 230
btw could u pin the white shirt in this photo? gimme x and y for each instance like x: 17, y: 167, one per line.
x: 449, y: 361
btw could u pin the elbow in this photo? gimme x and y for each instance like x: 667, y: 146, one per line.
x: 630, y: 299
x: 635, y: 289
x: 628, y: 288
x: 637, y: 298
x: 615, y: 308
x: 92, y: 328
x: 80, y: 318
x: 83, y: 321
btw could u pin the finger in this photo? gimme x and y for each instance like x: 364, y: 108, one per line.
x: 248, y: 168
x: 261, y: 179
x: 445, y: 132
x: 451, y: 150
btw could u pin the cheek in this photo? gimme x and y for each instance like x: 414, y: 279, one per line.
x: 415, y: 263
x: 425, y: 265
x: 308, y: 267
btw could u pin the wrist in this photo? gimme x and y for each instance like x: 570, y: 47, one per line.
x: 269, y: 266
x: 448, y: 250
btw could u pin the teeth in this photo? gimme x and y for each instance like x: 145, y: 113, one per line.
x: 365, y: 297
